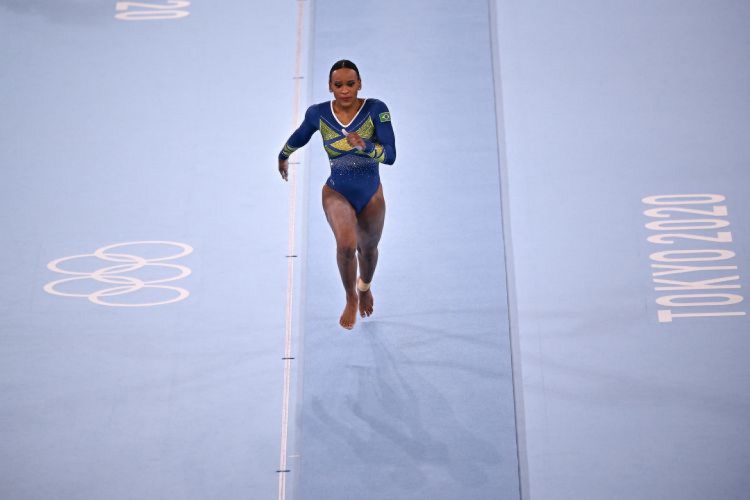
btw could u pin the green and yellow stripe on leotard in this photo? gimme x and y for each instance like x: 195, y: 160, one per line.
x: 378, y: 154
x: 288, y: 150
x: 327, y: 132
x: 367, y: 129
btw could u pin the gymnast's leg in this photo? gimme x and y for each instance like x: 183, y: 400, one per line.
x: 369, y: 229
x: 343, y: 221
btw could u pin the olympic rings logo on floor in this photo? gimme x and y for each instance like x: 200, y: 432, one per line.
x: 113, y: 275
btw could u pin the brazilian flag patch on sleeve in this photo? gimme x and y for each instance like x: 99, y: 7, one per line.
x: 385, y: 117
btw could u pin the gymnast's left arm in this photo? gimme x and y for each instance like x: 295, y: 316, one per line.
x: 384, y: 149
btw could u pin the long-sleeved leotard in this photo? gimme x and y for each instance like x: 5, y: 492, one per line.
x: 354, y: 173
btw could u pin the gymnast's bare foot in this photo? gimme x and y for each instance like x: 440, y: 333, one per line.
x: 365, y: 303
x: 349, y: 316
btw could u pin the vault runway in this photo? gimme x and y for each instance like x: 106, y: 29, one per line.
x: 560, y: 308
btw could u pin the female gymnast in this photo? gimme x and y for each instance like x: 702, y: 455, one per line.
x: 358, y: 136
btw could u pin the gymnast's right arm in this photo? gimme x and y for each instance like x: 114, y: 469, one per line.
x: 299, y: 138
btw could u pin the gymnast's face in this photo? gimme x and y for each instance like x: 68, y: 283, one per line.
x: 344, y: 84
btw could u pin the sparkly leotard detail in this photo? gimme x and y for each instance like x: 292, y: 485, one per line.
x: 354, y: 173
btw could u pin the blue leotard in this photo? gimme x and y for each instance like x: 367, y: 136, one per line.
x: 355, y: 174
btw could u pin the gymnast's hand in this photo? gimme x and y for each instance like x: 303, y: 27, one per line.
x: 354, y: 139
x: 284, y: 169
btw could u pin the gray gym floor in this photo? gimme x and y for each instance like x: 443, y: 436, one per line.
x: 559, y: 302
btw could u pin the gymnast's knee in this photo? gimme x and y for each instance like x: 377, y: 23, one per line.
x: 367, y: 252
x: 346, y: 251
